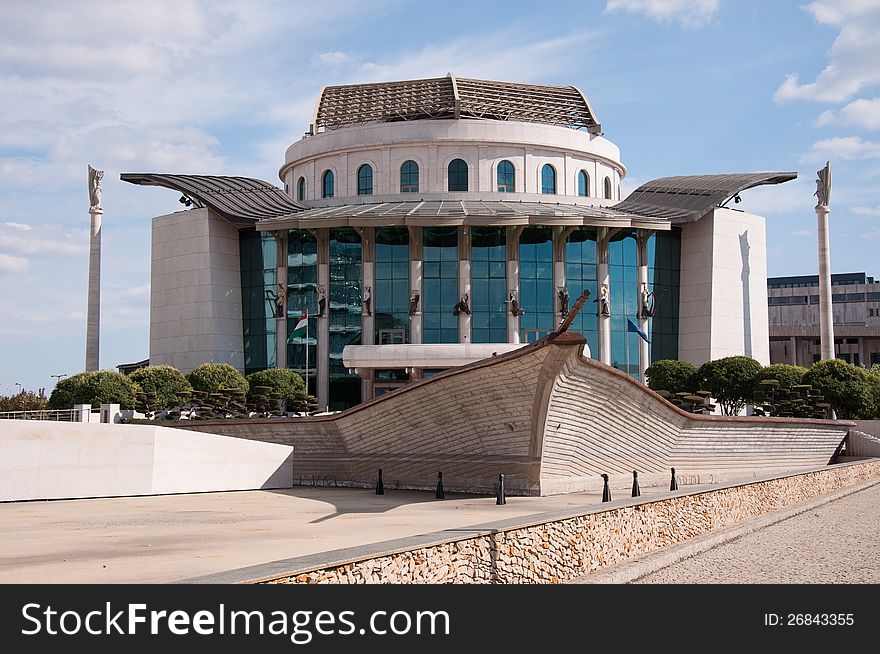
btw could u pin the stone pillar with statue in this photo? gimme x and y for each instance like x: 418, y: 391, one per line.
x: 93, y: 315
x: 826, y: 319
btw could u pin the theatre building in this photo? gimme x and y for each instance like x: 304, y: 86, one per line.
x: 427, y: 224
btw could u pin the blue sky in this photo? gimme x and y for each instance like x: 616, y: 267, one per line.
x: 215, y: 87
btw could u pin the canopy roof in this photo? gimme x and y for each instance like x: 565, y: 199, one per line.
x: 453, y: 98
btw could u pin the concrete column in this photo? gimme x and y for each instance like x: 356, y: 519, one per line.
x: 603, y: 275
x: 644, y: 348
x: 862, y: 353
x: 560, y: 236
x: 792, y: 343
x: 281, y: 278
x: 322, y: 356
x: 513, y: 234
x: 415, y: 282
x: 464, y: 282
x: 826, y: 320
x: 368, y: 322
x: 93, y: 319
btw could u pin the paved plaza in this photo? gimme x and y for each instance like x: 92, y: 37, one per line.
x: 834, y: 543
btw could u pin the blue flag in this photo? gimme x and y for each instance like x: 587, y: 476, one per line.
x: 632, y: 327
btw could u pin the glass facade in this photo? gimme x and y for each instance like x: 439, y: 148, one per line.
x: 664, y: 265
x: 488, y: 285
x: 302, y: 298
x: 580, y: 274
x: 548, y: 180
x: 345, y: 314
x: 458, y: 175
x: 623, y: 273
x: 583, y: 184
x: 391, y: 292
x: 439, y: 284
x: 257, y: 253
x: 365, y: 180
x: 536, y: 283
x: 327, y: 184
x: 409, y: 177
x: 506, y: 177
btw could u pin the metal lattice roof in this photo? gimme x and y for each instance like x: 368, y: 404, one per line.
x: 456, y: 212
x: 238, y: 199
x: 688, y: 198
x: 453, y: 97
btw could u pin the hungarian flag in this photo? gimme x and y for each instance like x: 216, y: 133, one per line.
x: 301, y: 328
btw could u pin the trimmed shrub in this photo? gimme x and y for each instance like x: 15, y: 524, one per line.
x: 786, y: 375
x: 851, y: 391
x: 670, y: 375
x: 163, y: 381
x: 211, y: 377
x: 288, y: 384
x: 98, y: 387
x: 730, y: 380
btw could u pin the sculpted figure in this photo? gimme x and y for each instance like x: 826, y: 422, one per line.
x: 562, y: 295
x: 367, y: 300
x: 322, y: 301
x: 647, y: 298
x: 515, y: 309
x: 95, y: 192
x: 604, y: 301
x: 462, y: 306
x: 823, y: 185
x: 413, y: 303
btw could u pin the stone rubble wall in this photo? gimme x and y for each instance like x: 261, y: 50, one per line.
x: 573, y: 546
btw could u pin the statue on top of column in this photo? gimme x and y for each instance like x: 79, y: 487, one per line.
x: 562, y: 294
x: 367, y: 300
x: 647, y: 302
x: 322, y: 301
x: 604, y: 301
x: 823, y: 186
x: 515, y: 309
x: 95, y: 192
x: 462, y: 306
x: 413, y: 302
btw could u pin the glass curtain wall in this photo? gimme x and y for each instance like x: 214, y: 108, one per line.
x: 536, y: 283
x: 664, y: 257
x: 623, y: 271
x: 302, y: 298
x: 391, y: 292
x: 345, y: 314
x: 257, y: 254
x: 580, y: 274
x: 488, y: 285
x: 440, y: 284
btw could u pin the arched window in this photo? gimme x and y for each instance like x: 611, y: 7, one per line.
x: 548, y: 180
x: 458, y: 175
x: 365, y: 180
x: 327, y: 184
x: 409, y: 177
x: 607, y: 188
x: 583, y: 184
x: 506, y: 177
x: 301, y: 189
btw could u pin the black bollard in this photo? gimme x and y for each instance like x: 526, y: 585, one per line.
x: 501, y: 498
x: 673, y: 485
x: 440, y: 495
x: 606, y: 491
x: 380, y: 487
x: 636, y: 491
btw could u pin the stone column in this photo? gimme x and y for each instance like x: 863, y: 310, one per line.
x: 368, y: 322
x: 513, y: 234
x: 322, y: 356
x: 464, y: 282
x: 415, y: 282
x: 93, y: 315
x: 603, y: 275
x: 560, y: 236
x: 792, y: 343
x: 281, y: 279
x: 642, y: 238
x: 826, y: 318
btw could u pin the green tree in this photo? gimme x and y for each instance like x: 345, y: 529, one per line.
x: 730, y: 380
x: 288, y: 384
x: 670, y: 375
x: 851, y: 391
x: 97, y: 387
x: 211, y: 377
x: 25, y: 401
x: 167, y: 383
x: 786, y: 375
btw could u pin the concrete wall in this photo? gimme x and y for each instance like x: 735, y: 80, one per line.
x: 723, y: 307
x: 195, y: 296
x: 55, y: 460
x: 546, y: 417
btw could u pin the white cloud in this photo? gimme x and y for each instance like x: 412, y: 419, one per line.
x: 859, y: 113
x: 19, y: 226
x: 852, y: 59
x: 332, y: 58
x: 866, y: 211
x: 8, y: 263
x: 793, y: 197
x: 842, y: 147
x: 802, y: 232
x: 690, y: 13
x: 71, y: 243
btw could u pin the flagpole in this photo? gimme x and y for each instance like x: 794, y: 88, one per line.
x: 307, y: 352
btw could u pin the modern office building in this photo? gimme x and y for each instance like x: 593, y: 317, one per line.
x: 793, y: 304
x: 431, y: 223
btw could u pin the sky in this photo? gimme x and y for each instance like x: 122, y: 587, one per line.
x: 222, y: 87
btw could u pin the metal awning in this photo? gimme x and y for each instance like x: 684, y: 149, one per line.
x: 240, y: 200
x: 461, y: 212
x: 688, y: 198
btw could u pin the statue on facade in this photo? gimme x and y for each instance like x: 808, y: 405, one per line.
x: 462, y: 306
x: 413, y: 303
x: 322, y: 301
x: 95, y: 192
x: 823, y: 186
x: 515, y: 309
x: 604, y: 301
x: 367, y: 299
x: 562, y: 295
x: 647, y: 302
x: 278, y: 300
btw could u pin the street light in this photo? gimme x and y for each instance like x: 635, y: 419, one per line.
x: 20, y: 388
x: 58, y: 377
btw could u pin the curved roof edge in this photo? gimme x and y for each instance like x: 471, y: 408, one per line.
x: 688, y: 198
x: 240, y: 200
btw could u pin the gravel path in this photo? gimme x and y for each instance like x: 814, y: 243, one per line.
x: 834, y: 543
